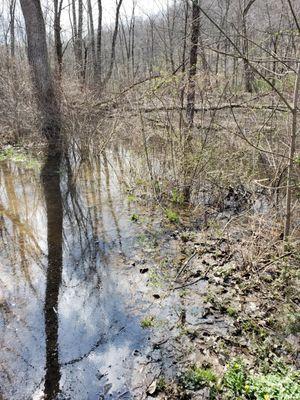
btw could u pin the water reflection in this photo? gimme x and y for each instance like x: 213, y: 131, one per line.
x: 54, y: 213
x: 70, y: 301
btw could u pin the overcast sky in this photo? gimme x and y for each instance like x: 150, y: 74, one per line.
x: 143, y: 7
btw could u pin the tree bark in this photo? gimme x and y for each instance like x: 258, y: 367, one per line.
x: 57, y: 37
x: 12, y: 9
x: 40, y: 69
x: 191, y: 91
x: 288, y: 207
x: 248, y: 73
x: 92, y: 35
x: 113, y: 45
x: 193, y: 62
x: 99, y: 41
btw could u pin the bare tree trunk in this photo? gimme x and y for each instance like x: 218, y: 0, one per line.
x: 113, y: 45
x: 183, y: 61
x: 191, y: 91
x: 57, y: 37
x: 78, y: 29
x: 92, y: 35
x: 40, y: 68
x: 12, y: 9
x: 190, y: 111
x: 133, y: 41
x: 288, y: 210
x: 99, y: 41
x: 248, y: 73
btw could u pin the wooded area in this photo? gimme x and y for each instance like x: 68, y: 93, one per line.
x: 204, y: 96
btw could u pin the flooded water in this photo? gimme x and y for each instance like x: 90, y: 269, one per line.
x: 71, y: 296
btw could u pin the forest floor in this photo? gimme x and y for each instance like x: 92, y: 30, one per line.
x: 235, y: 331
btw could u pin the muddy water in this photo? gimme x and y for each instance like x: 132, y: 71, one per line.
x: 71, y: 299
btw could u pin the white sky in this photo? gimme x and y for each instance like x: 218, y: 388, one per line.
x: 142, y: 6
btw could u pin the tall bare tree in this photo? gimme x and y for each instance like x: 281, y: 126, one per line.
x: 40, y: 69
x: 195, y: 30
x: 57, y: 36
x: 12, y: 10
x: 248, y: 73
x: 113, y: 45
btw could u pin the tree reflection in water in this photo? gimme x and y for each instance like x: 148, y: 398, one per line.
x: 54, y: 210
x: 71, y: 303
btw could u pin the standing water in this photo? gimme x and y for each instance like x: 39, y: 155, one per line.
x: 71, y: 299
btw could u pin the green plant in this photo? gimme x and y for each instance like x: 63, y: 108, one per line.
x: 274, y: 387
x: 161, y: 384
x: 131, y: 198
x: 18, y: 156
x: 281, y: 384
x: 293, y: 325
x: 196, y: 378
x: 172, y: 216
x: 231, y: 311
x: 234, y: 379
x: 155, y: 280
x: 177, y: 197
x: 134, y: 218
x: 147, y: 322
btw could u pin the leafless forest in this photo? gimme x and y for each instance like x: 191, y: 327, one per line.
x: 204, y: 96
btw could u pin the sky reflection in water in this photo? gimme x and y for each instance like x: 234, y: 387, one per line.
x: 101, y: 299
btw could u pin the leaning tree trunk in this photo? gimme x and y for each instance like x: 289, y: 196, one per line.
x: 40, y: 69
